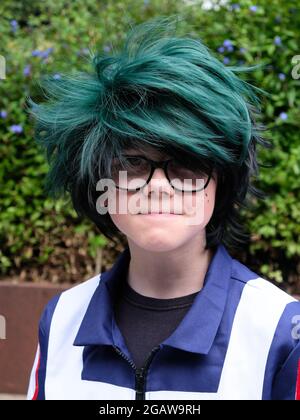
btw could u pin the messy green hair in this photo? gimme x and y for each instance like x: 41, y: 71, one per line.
x: 161, y: 90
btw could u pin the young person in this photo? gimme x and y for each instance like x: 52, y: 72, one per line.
x: 176, y: 317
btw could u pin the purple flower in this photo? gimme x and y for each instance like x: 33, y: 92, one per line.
x: 56, y: 76
x: 46, y: 53
x: 106, y: 48
x: 281, y: 76
x: 221, y: 49
x: 253, y: 8
x: 36, y: 53
x: 242, y: 50
x: 16, y: 128
x: 227, y: 43
x: 235, y: 6
x: 27, y: 70
x: 283, y: 116
x: 42, y: 54
x: 3, y: 114
x: 84, y: 51
x: 277, y: 40
x: 14, y: 25
x: 226, y: 60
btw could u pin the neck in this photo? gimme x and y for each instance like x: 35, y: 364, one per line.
x: 168, y: 274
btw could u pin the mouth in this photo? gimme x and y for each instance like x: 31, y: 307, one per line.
x: 161, y: 213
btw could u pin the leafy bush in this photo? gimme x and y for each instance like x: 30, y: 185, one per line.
x: 41, y: 37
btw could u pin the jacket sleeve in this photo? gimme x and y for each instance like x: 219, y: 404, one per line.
x: 36, y: 388
x: 37, y: 376
x: 33, y: 381
x: 286, y: 385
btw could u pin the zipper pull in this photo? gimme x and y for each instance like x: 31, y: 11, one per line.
x: 140, y: 372
x: 140, y: 382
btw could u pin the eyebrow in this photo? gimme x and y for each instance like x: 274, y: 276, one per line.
x: 138, y: 154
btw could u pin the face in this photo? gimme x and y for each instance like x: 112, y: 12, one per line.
x: 176, y: 219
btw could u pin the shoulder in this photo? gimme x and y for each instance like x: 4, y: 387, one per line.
x: 258, y: 286
x: 266, y: 305
x: 69, y: 303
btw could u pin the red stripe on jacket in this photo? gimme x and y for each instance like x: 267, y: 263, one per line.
x: 297, y: 397
x: 36, y: 391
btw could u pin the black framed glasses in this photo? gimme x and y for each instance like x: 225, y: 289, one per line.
x: 134, y: 172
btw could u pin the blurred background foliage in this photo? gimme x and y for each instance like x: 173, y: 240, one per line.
x: 45, y: 240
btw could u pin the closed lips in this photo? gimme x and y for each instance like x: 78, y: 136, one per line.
x: 161, y: 212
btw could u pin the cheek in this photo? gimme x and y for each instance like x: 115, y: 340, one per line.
x: 209, y: 205
x: 121, y: 217
x: 124, y: 223
x: 209, y: 200
x: 201, y: 205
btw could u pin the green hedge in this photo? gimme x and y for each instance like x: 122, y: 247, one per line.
x: 41, y: 37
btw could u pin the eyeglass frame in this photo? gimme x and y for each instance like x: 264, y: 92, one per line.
x: 163, y: 164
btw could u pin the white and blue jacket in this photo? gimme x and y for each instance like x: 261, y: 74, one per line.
x: 239, y: 340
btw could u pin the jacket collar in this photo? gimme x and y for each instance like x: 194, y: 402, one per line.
x: 195, y: 333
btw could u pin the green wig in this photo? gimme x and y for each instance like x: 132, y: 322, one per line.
x: 161, y: 90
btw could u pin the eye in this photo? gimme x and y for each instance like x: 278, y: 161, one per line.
x: 135, y: 161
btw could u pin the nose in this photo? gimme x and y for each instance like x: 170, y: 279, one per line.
x: 159, y: 184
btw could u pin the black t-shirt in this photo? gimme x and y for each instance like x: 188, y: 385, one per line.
x: 145, y: 321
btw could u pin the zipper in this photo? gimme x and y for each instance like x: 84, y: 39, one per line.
x: 140, y: 373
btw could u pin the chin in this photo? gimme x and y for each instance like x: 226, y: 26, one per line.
x: 157, y: 249
x: 158, y: 244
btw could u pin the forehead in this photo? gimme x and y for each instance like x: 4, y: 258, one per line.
x: 147, y: 151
